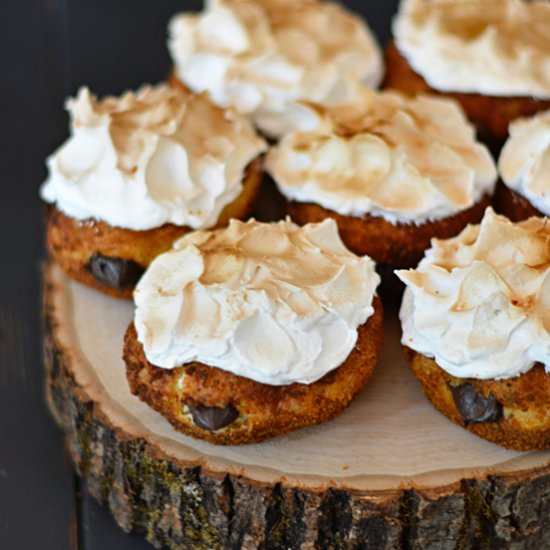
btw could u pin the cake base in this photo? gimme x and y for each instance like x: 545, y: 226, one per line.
x: 388, y: 473
x: 513, y: 205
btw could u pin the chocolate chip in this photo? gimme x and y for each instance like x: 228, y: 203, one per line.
x: 213, y: 418
x: 473, y: 407
x: 115, y: 272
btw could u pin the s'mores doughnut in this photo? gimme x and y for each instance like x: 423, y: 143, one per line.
x: 392, y: 171
x: 139, y: 171
x: 524, y: 168
x: 252, y: 331
x: 476, y: 329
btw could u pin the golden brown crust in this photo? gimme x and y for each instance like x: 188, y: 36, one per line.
x: 395, y: 245
x: 72, y: 242
x: 513, y: 205
x: 491, y: 115
x: 525, y: 424
x: 265, y: 411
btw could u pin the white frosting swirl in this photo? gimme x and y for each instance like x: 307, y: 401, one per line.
x: 490, y: 47
x: 154, y: 157
x: 479, y: 303
x: 275, y: 303
x: 407, y: 160
x: 524, y: 162
x: 259, y: 55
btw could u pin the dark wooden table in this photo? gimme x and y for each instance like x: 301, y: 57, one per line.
x: 48, y: 49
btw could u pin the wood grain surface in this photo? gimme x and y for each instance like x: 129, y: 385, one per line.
x: 48, y: 48
x: 389, y: 472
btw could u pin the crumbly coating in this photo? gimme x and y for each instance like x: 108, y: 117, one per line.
x: 265, y: 411
x: 72, y: 242
x: 513, y: 205
x: 525, y: 424
x: 491, y: 115
x: 396, y: 245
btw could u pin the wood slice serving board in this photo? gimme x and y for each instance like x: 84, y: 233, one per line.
x: 390, y: 472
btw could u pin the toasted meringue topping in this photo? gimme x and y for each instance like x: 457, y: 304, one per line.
x: 275, y: 303
x: 149, y: 158
x: 491, y: 47
x: 479, y: 303
x: 259, y: 55
x: 524, y: 162
x: 408, y: 160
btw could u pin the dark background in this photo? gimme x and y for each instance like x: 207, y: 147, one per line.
x: 48, y: 48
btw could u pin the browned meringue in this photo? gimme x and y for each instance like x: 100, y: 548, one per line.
x: 524, y: 162
x: 408, y: 160
x: 258, y: 56
x: 492, y: 47
x: 479, y: 303
x: 146, y: 158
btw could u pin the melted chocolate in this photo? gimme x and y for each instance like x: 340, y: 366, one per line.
x: 117, y: 273
x: 213, y: 418
x: 473, y: 407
